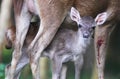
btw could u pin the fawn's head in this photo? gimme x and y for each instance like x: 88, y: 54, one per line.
x: 87, y: 23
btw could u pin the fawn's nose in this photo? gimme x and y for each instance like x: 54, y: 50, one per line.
x: 86, y: 35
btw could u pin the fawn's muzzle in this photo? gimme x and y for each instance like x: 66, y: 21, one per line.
x: 86, y: 35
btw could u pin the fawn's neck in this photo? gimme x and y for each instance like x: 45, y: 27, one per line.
x: 81, y: 43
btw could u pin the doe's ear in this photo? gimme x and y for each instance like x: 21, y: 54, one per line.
x: 101, y: 18
x: 75, y: 15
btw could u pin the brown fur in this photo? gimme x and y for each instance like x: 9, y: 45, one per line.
x: 10, y: 38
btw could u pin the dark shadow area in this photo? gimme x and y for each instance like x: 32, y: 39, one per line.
x: 112, y: 66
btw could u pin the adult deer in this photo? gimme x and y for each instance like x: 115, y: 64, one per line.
x: 55, y: 11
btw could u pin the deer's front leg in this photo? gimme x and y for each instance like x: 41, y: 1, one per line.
x: 78, y: 66
x: 102, y: 34
x: 56, y: 67
x: 22, y: 25
x: 63, y: 72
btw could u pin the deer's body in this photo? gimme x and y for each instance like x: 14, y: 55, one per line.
x: 67, y: 45
x: 55, y: 11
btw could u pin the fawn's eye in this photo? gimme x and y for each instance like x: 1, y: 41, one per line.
x: 79, y: 26
x: 93, y: 28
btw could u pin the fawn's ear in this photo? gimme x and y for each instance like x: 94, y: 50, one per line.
x: 101, y: 18
x: 75, y: 15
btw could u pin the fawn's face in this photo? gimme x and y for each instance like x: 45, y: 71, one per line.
x: 87, y: 23
x: 86, y: 26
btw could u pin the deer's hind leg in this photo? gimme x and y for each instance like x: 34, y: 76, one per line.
x: 102, y: 34
x: 24, y: 60
x: 22, y: 25
x: 52, y: 15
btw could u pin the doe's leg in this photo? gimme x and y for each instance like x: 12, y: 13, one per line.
x: 51, y: 15
x: 22, y: 25
x: 22, y: 63
x: 102, y: 34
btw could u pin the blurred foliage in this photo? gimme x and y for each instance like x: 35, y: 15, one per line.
x: 6, y: 55
x: 2, y: 73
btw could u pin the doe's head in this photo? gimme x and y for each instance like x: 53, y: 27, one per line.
x: 87, y: 23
